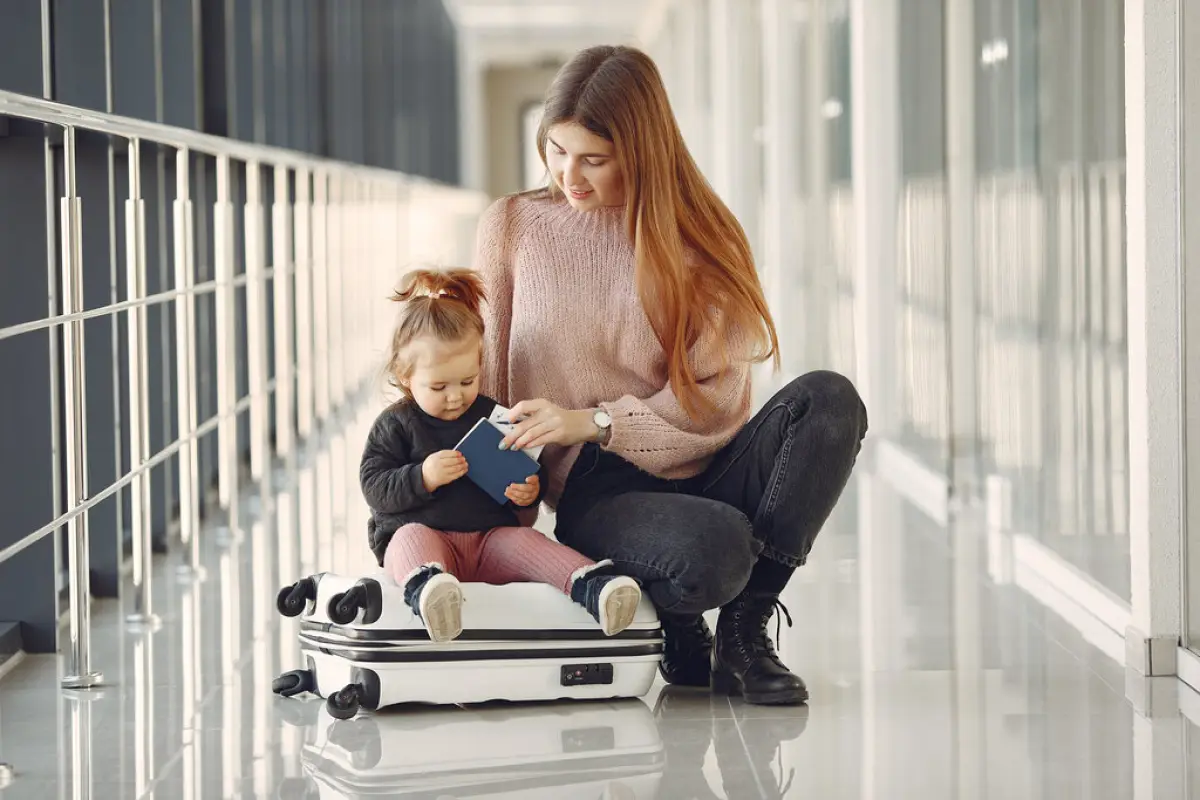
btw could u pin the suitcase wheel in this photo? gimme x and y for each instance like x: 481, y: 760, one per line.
x: 295, y: 682
x: 365, y: 594
x: 343, y: 704
x: 292, y: 600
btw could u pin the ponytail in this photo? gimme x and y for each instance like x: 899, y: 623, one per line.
x: 442, y: 305
x: 461, y: 285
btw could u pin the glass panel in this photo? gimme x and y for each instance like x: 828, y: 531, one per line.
x: 1051, y: 273
x: 836, y: 195
x: 817, y: 325
x: 1191, y: 270
x: 532, y: 169
x: 922, y: 245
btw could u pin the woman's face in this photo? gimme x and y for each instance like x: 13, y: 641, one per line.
x: 584, y: 166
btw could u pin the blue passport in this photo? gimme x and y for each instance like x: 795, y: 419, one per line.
x: 491, y: 468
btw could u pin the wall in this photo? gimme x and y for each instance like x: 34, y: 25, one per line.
x: 508, y: 92
x: 367, y: 81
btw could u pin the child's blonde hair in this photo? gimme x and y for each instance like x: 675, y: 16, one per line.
x: 440, y: 304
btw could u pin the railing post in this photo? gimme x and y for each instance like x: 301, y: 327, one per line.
x: 185, y: 366
x: 304, y: 303
x: 256, y: 324
x: 79, y: 674
x: 334, y: 271
x: 281, y: 259
x: 139, y: 410
x: 226, y: 355
x: 320, y: 292
x: 338, y: 276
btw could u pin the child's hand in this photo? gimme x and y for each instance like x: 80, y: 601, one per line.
x: 523, y: 494
x: 443, y: 467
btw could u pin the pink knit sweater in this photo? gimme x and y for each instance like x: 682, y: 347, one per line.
x: 564, y: 323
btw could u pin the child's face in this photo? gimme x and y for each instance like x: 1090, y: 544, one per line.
x: 445, y: 377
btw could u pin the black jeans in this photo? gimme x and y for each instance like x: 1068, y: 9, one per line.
x: 692, y: 543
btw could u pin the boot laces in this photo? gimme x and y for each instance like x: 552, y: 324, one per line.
x: 766, y: 612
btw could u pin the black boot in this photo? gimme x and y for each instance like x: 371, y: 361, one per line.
x: 687, y: 653
x: 744, y: 660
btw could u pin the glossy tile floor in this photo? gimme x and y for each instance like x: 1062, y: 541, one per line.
x: 927, y: 682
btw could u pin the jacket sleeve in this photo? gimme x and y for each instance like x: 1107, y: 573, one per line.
x: 391, y: 483
x: 656, y: 434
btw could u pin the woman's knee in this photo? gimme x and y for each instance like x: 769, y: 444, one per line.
x: 718, y: 564
x: 831, y: 399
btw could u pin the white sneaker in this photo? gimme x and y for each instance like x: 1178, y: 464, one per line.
x: 440, y: 607
x: 618, y: 604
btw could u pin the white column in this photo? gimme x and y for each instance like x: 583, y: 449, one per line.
x: 472, y: 132
x: 691, y: 31
x: 1156, y: 487
x: 782, y: 110
x: 875, y: 143
x: 961, y: 58
x: 733, y: 42
x: 875, y: 157
x: 1190, y: 77
x: 822, y: 277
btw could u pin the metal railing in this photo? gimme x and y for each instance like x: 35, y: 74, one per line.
x: 339, y: 236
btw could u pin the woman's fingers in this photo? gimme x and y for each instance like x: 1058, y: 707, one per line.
x: 526, y: 408
x: 519, y: 430
x: 539, y: 433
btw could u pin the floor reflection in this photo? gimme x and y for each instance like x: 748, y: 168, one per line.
x: 927, y: 680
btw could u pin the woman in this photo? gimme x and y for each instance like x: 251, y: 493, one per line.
x: 625, y: 313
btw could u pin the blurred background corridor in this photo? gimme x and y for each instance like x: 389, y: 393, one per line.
x: 979, y: 210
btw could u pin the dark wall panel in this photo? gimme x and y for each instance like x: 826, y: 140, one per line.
x: 27, y: 581
x: 367, y: 81
x: 80, y: 65
x: 181, y: 63
x: 21, y: 47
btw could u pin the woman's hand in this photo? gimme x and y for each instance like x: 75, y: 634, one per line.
x: 524, y: 494
x: 540, y: 422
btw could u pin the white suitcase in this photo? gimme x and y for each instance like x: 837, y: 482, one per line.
x: 364, y: 648
x: 602, y: 750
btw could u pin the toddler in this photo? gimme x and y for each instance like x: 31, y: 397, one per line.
x: 430, y: 525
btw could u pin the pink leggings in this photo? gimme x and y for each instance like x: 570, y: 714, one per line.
x: 498, y: 556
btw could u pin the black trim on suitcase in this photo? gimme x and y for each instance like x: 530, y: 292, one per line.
x: 427, y: 656
x: 510, y: 635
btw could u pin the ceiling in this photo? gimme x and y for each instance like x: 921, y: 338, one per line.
x: 532, y: 31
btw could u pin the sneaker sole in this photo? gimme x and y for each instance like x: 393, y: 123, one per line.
x: 442, y: 612
x: 619, y: 608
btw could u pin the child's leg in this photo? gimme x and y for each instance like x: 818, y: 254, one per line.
x: 517, y: 555
x: 422, y: 560
x: 415, y: 546
x: 513, y: 555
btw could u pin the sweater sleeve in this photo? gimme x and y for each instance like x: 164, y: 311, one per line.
x: 391, y: 483
x: 492, y: 262
x: 656, y: 434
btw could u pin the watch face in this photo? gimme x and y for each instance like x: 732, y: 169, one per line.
x: 602, y: 419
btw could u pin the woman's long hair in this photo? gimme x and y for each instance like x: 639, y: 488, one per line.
x: 617, y: 93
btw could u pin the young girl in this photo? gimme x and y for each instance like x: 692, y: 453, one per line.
x: 431, y: 526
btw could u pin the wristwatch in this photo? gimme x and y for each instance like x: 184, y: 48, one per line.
x: 603, y: 421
